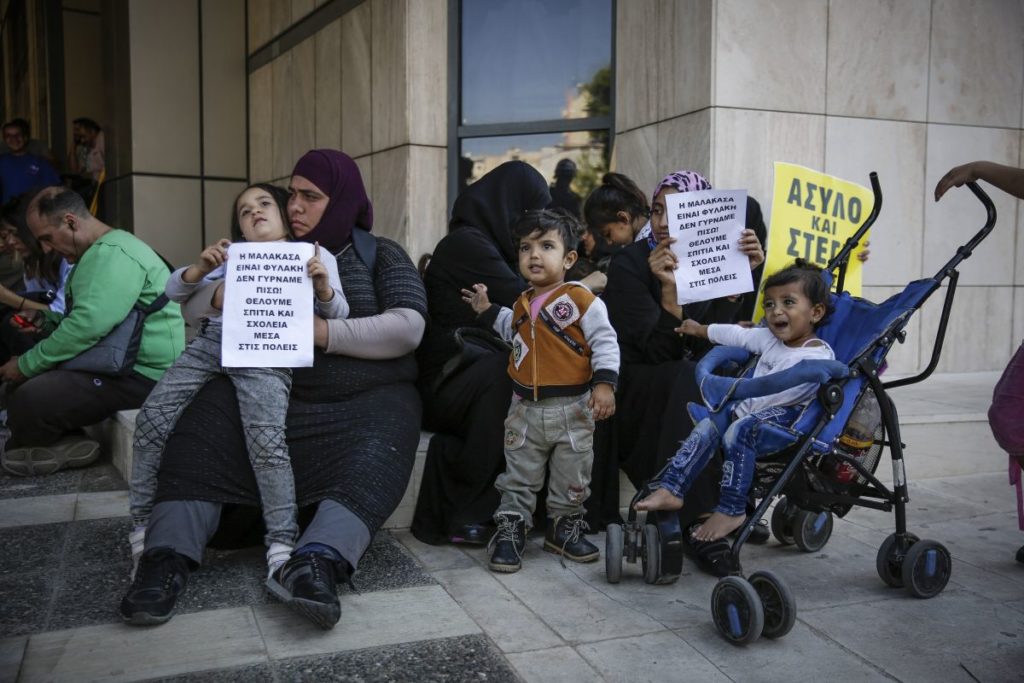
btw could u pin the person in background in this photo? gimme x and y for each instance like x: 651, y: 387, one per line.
x: 114, y: 271
x: 1006, y: 414
x: 562, y: 196
x: 20, y: 171
x: 33, y: 146
x: 86, y: 158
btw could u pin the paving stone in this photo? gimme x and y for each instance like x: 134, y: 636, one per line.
x: 387, y: 564
x: 101, y: 505
x: 926, y: 640
x: 926, y: 506
x: 102, y: 476
x: 24, y: 602
x: 802, y: 656
x: 98, y: 542
x: 67, y: 481
x: 37, y: 510
x: 467, y: 658
x: 990, y: 490
x: 29, y: 549
x: 573, y: 608
x: 653, y: 657
x: 218, y: 639
x: 260, y: 673
x: 367, y: 620
x: 434, y: 557
x: 227, y: 578
x: 561, y: 664
x: 89, y: 595
x: 499, y: 613
x: 11, y: 652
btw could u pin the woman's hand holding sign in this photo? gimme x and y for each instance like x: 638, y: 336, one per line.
x: 751, y: 247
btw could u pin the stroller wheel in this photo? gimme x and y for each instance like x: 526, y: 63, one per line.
x: 613, y: 552
x: 889, y: 561
x: 926, y: 569
x: 737, y: 611
x: 782, y: 522
x: 651, y: 558
x: 777, y: 601
x: 811, y: 530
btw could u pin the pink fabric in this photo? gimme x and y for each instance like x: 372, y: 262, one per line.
x: 537, y: 304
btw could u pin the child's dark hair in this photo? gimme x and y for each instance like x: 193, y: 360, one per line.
x: 568, y: 227
x: 615, y: 193
x: 811, y: 282
x: 280, y: 196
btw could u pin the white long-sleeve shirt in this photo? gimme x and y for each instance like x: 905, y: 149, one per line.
x: 774, y: 357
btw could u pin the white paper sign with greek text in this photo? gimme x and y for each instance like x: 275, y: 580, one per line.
x: 707, y: 226
x: 268, y: 306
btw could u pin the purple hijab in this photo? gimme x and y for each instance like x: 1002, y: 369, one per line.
x: 337, y: 176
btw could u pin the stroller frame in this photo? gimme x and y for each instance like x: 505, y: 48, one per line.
x: 744, y: 609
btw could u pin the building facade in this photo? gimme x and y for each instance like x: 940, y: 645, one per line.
x: 203, y: 96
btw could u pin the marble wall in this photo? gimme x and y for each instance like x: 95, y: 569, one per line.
x: 372, y: 83
x: 907, y: 88
x: 175, y: 90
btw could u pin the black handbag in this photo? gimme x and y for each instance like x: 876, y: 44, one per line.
x: 115, y: 354
x: 474, y: 343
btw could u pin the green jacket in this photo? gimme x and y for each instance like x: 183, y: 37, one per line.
x: 115, y: 272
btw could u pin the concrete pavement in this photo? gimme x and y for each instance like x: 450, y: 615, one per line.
x: 436, y: 613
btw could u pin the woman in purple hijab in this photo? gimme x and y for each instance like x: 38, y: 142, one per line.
x: 352, y: 426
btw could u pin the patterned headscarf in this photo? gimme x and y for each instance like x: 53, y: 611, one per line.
x: 684, y: 181
x: 337, y: 176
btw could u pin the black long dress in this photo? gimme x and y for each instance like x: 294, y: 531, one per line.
x: 468, y: 411
x: 656, y: 380
x: 352, y: 427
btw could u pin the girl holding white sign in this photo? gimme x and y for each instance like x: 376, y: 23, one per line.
x: 263, y: 393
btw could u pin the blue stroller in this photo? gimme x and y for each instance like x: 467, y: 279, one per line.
x: 803, y: 474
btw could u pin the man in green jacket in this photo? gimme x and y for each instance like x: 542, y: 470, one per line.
x: 112, y: 271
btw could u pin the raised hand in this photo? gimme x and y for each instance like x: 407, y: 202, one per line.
x: 477, y: 298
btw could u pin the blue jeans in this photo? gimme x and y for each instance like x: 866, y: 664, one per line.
x: 263, y: 403
x: 741, y: 444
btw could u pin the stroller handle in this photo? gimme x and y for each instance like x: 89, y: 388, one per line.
x: 966, y: 250
x: 841, y: 259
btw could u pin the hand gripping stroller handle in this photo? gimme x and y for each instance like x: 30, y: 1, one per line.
x: 717, y: 391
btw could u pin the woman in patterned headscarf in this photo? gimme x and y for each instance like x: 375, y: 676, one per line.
x: 656, y: 378
x: 352, y: 426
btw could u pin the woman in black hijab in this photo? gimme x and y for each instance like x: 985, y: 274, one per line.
x: 467, y: 408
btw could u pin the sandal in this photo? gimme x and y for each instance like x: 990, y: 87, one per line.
x: 711, y: 557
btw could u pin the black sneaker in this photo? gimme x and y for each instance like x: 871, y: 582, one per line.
x: 509, y: 542
x: 308, y: 584
x: 1020, y: 554
x: 564, y: 536
x: 161, y: 577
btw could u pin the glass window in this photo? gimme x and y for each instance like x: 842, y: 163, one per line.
x: 586, y: 149
x: 535, y: 84
x: 528, y: 60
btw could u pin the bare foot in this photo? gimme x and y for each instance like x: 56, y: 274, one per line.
x: 718, y: 525
x: 661, y: 499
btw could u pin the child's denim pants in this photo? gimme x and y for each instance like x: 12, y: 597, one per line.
x: 263, y: 403
x: 555, y: 434
x: 742, y: 444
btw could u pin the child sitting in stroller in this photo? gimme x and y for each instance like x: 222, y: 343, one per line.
x: 796, y: 301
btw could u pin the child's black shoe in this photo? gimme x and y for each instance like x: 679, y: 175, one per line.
x: 564, y: 536
x: 508, y: 542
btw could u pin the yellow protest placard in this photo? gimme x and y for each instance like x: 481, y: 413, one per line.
x: 813, y: 214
